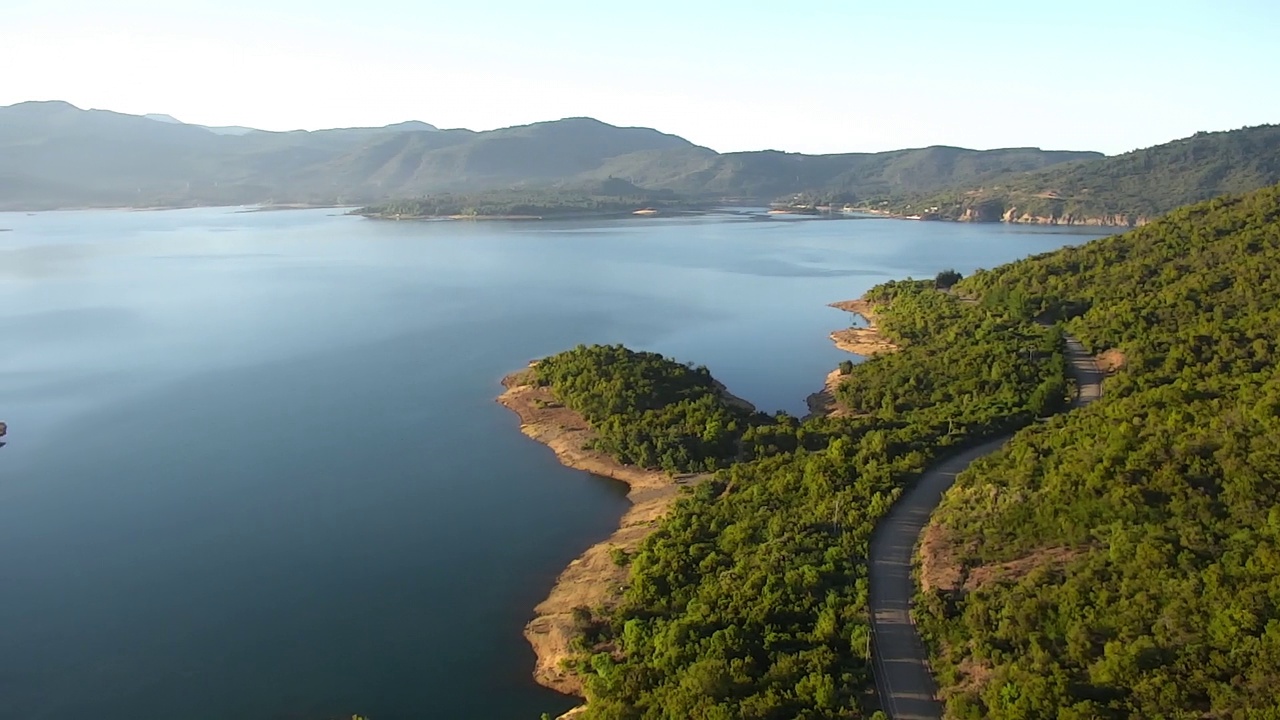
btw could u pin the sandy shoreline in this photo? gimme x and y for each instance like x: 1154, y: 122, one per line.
x: 593, y: 579
x: 867, y: 341
x: 823, y: 403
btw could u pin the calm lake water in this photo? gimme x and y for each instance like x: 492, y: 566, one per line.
x: 255, y: 469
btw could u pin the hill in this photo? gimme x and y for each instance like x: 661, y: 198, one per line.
x: 749, y: 599
x: 847, y: 177
x: 1122, y: 561
x: 1117, y: 561
x: 53, y: 154
x: 1129, y: 189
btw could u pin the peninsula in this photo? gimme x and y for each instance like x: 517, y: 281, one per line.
x: 553, y: 400
x: 760, y: 591
x: 595, y: 579
x: 661, y: 425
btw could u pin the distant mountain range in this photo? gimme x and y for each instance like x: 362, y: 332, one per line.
x: 53, y: 154
x: 1128, y: 189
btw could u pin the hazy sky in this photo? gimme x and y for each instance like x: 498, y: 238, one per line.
x: 811, y: 76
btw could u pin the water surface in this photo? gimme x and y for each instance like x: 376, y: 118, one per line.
x: 255, y: 469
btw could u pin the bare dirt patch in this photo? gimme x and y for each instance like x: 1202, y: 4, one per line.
x: 823, y: 403
x: 974, y: 676
x: 1110, y: 361
x: 1015, y: 570
x: 942, y: 566
x: 867, y: 341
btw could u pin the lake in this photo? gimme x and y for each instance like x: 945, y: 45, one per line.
x: 255, y: 469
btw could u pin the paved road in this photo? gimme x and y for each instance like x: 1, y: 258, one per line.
x: 1082, y: 367
x: 899, y: 660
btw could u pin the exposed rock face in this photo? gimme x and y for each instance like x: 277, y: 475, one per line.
x: 1013, y: 215
x: 989, y: 211
x: 997, y: 210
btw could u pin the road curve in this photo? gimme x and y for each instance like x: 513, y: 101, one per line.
x: 899, y: 661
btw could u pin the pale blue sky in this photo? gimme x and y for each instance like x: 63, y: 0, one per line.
x: 813, y: 76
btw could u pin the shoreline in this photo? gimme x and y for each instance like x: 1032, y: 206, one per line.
x: 1117, y: 220
x: 823, y: 402
x: 592, y: 579
x: 867, y: 341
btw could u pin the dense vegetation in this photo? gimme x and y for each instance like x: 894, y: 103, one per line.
x: 1125, y: 189
x: 852, y: 177
x: 648, y: 410
x: 750, y: 600
x: 1162, y: 499
x: 611, y: 197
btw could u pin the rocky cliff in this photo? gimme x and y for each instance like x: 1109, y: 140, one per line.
x: 998, y: 211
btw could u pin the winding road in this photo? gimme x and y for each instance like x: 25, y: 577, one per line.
x: 899, y: 661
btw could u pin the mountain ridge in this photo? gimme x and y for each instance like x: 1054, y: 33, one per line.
x: 1130, y: 189
x: 53, y: 154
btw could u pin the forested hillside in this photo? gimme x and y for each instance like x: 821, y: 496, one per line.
x: 1127, y: 189
x: 846, y: 177
x: 53, y: 154
x: 750, y: 599
x: 1124, y: 560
